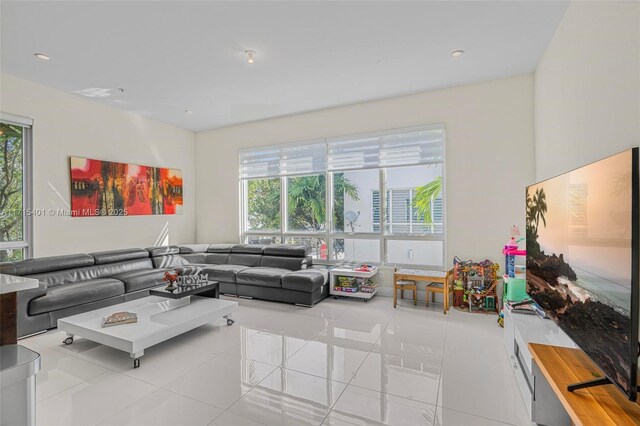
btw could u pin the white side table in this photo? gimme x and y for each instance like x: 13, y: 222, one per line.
x: 351, y: 272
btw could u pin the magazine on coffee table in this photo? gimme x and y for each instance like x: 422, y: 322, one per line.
x: 119, y: 318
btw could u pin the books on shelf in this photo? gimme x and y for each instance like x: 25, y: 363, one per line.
x: 346, y: 289
x: 348, y: 284
x: 119, y: 318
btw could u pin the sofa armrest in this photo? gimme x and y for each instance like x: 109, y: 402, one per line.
x: 26, y: 324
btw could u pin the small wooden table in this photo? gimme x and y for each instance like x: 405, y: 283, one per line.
x: 597, y: 406
x: 423, y: 275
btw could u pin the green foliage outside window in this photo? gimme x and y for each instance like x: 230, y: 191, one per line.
x: 263, y: 208
x: 11, y: 203
x: 423, y: 201
x: 306, y: 202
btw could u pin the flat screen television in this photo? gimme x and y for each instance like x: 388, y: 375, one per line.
x: 583, y: 254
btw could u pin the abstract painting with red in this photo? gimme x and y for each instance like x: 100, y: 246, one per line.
x: 105, y: 188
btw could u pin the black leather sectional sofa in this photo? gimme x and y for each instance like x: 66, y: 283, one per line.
x: 77, y: 283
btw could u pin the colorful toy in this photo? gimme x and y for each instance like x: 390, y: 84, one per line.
x: 475, y: 282
x: 364, y: 268
x: 511, y: 251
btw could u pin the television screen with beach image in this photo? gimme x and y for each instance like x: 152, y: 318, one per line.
x: 580, y: 261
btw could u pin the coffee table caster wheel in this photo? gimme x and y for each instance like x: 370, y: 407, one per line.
x: 136, y: 363
x: 68, y: 341
x: 230, y: 321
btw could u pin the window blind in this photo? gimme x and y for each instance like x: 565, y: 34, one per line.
x: 16, y: 120
x: 403, y: 147
x: 260, y: 163
x: 387, y: 149
x: 309, y: 158
x: 304, y: 159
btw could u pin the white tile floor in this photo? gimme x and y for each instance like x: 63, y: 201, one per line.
x: 343, y: 362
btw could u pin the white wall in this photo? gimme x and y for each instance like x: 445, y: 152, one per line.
x: 490, y: 157
x: 66, y: 125
x: 587, y: 87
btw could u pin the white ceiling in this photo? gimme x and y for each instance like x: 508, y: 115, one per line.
x: 176, y: 55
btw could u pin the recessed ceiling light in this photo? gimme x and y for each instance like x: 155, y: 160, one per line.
x: 188, y: 111
x: 42, y: 56
x: 457, y: 53
x: 250, y: 55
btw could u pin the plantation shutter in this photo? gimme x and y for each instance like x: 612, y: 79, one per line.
x: 375, y: 206
x: 399, y: 210
x: 437, y: 215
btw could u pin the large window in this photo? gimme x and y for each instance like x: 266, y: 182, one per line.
x: 15, y: 193
x: 327, y: 195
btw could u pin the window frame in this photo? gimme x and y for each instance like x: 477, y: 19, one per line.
x: 328, y: 234
x: 26, y: 244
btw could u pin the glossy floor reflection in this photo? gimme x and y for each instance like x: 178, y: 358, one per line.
x: 342, y: 362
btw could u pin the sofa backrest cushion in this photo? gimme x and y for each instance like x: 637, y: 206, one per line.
x: 220, y: 248
x: 162, y: 250
x: 244, y: 259
x: 247, y: 248
x: 195, y: 257
x: 287, y: 250
x: 46, y: 264
x: 93, y: 272
x: 102, y: 257
x: 193, y: 248
x: 168, y: 261
x: 217, y: 258
x: 292, y: 263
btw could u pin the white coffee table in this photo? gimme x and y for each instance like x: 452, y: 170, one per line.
x: 159, y: 319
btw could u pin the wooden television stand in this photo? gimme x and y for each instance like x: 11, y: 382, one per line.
x: 601, y: 405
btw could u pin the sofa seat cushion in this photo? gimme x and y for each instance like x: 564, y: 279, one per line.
x: 73, y: 294
x: 262, y: 276
x: 308, y: 280
x: 223, y: 273
x: 141, y: 279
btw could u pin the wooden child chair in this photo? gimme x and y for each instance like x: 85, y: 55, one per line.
x: 403, y: 285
